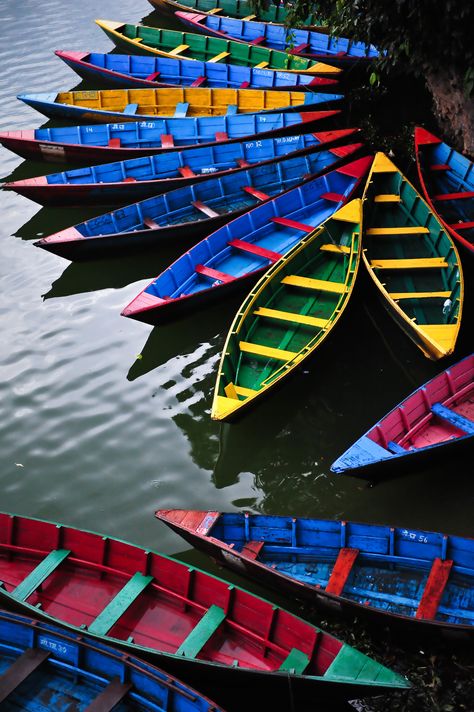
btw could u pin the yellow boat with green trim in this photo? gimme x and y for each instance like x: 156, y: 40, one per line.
x: 140, y: 39
x: 412, y: 260
x: 290, y: 312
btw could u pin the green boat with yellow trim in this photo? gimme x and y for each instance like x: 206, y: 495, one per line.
x: 140, y: 39
x: 412, y: 260
x: 290, y: 312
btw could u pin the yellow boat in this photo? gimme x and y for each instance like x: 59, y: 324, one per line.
x: 412, y: 260
x: 110, y: 105
x: 140, y: 39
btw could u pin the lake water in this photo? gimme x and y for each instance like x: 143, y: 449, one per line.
x: 103, y: 419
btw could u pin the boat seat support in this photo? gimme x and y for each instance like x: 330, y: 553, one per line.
x: 434, y: 589
x: 202, y: 632
x: 296, y: 662
x: 251, y: 549
x: 23, y: 666
x: 255, y: 250
x: 119, y: 604
x: 459, y: 421
x: 110, y: 697
x: 39, y: 574
x: 341, y: 571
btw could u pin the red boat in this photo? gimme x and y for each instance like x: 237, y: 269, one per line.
x: 218, y: 635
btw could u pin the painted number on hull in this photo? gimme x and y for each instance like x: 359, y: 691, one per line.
x: 54, y: 645
x: 52, y: 153
x: 415, y: 536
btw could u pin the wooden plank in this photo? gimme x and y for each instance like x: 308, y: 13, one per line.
x: 114, y: 143
x: 199, y: 205
x: 419, y: 295
x: 338, y: 249
x: 434, y: 589
x: 181, y: 110
x: 251, y: 549
x: 397, y: 230
x: 221, y: 136
x: 260, y: 195
x: 439, y: 167
x: 110, y: 697
x: 199, y: 82
x: 296, y: 662
x: 202, y: 632
x: 218, y: 57
x: 462, y: 225
x: 167, y: 141
x: 179, y: 49
x: 262, y: 65
x: 286, y: 222
x: 465, y: 194
x: 130, y: 109
x: 149, y: 222
x: 119, y: 604
x: 300, y: 48
x: 213, y: 274
x: 27, y: 663
x: 342, y: 568
x: 258, y: 40
x: 419, y: 263
x: 459, y: 421
x: 291, y: 317
x: 387, y: 198
x: 255, y: 250
x: 267, y: 351
x: 333, y: 197
x: 186, y: 172
x: 151, y: 77
x: 309, y: 283
x: 39, y: 574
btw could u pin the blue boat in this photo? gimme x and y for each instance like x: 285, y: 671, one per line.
x: 44, y: 668
x: 416, y: 580
x: 106, y: 105
x: 337, y: 51
x: 188, y: 213
x: 140, y: 178
x: 238, y: 253
x: 129, y: 71
x: 447, y: 180
x: 107, y: 142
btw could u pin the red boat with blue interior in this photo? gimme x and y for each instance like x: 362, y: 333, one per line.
x: 140, y: 178
x: 447, y: 180
x: 134, y: 71
x: 338, y: 51
x: 188, y: 213
x: 238, y: 253
x: 100, y: 143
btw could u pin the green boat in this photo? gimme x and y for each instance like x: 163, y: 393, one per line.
x: 290, y: 311
x: 140, y: 39
x: 276, y: 14
x: 412, y: 260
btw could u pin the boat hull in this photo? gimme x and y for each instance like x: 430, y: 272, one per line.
x: 229, y: 556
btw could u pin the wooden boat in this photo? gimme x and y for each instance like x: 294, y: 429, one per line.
x: 186, y: 214
x: 43, y: 667
x: 190, y: 622
x: 431, y: 422
x: 109, y: 105
x: 412, y: 260
x: 338, y: 51
x: 290, y: 312
x: 132, y: 71
x: 447, y: 181
x: 276, y: 14
x: 418, y: 580
x: 239, y: 252
x: 140, y: 178
x: 101, y: 143
x: 139, y: 39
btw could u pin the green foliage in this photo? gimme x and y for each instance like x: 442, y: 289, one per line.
x: 422, y: 34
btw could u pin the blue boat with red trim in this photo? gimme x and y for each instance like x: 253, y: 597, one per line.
x: 416, y: 580
x: 337, y: 51
x: 186, y: 214
x: 139, y: 178
x: 45, y: 668
x: 134, y: 71
x: 237, y: 254
x: 101, y: 143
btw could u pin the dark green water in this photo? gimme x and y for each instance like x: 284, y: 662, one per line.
x: 103, y: 420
